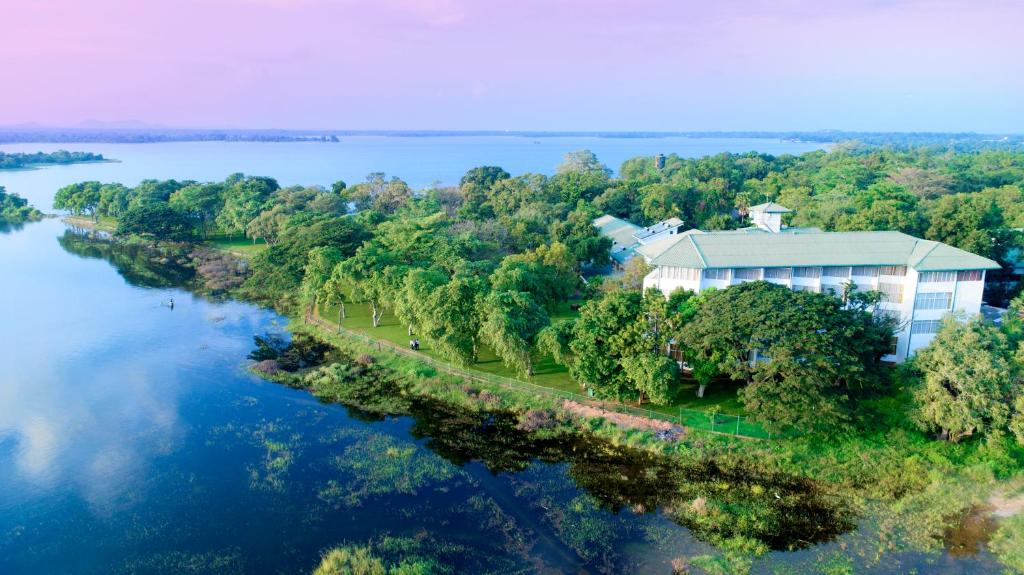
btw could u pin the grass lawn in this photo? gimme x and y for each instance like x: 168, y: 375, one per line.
x: 103, y: 223
x: 241, y: 247
x: 547, y: 373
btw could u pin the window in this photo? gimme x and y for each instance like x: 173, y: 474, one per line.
x: 814, y: 289
x: 926, y: 326
x: 836, y: 272
x: 777, y: 273
x: 865, y: 271
x: 968, y: 276
x: 892, y: 314
x: 675, y: 352
x: 898, y: 271
x: 680, y: 273
x: 894, y: 342
x: 936, y: 277
x: 891, y: 292
x: 716, y: 274
x: 747, y: 273
x: 813, y: 273
x: 938, y: 300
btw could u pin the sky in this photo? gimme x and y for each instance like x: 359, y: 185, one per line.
x: 592, y: 65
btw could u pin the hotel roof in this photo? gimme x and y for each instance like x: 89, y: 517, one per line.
x: 654, y: 229
x: 620, y: 231
x: 695, y: 249
x: 770, y: 208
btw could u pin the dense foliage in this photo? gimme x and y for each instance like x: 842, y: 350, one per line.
x: 9, y: 161
x: 14, y: 209
x: 489, y: 262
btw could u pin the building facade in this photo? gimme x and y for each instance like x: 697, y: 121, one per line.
x: 920, y: 280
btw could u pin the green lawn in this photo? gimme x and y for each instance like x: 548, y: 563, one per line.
x: 547, y: 372
x: 102, y: 223
x: 241, y: 247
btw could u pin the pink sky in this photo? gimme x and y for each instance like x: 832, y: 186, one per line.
x: 516, y: 64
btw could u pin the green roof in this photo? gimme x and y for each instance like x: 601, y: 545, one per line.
x: 770, y: 207
x: 810, y: 249
x: 620, y: 231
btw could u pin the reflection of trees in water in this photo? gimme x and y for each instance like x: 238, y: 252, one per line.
x: 140, y: 265
x: 716, y: 502
x: 7, y: 227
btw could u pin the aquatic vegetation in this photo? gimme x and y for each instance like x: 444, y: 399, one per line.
x: 1008, y: 543
x: 585, y: 528
x: 270, y: 473
x: 380, y: 464
x: 228, y: 562
x: 420, y: 555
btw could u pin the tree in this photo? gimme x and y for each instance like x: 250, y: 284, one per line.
x: 653, y: 375
x: 451, y: 319
x: 380, y: 194
x: 582, y: 162
x: 966, y: 381
x: 277, y: 272
x: 374, y: 278
x: 200, y: 203
x: 578, y: 233
x: 15, y: 209
x: 608, y: 330
x: 510, y: 324
x: 1017, y: 420
x: 158, y: 221
x: 79, y: 199
x: 244, y: 198
x: 802, y: 355
x: 336, y: 291
x: 484, y: 176
x: 546, y: 273
x: 320, y: 264
x: 114, y: 200
x: 154, y: 192
x: 412, y: 300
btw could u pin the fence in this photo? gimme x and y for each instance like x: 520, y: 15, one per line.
x: 720, y: 423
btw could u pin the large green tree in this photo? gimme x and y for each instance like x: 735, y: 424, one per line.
x: 803, y: 356
x: 510, y: 322
x: 966, y: 381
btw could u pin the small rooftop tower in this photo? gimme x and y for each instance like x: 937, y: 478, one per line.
x: 768, y: 216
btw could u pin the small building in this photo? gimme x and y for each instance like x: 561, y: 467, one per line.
x: 626, y: 237
x: 920, y: 280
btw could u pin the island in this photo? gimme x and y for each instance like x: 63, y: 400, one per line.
x: 21, y: 161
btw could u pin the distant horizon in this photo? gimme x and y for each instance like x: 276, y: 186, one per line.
x: 145, y: 127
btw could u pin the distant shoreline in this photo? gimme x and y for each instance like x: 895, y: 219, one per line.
x: 140, y: 136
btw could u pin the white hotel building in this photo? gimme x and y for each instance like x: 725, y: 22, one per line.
x: 920, y: 280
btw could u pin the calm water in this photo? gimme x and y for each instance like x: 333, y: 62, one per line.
x: 133, y: 441
x: 419, y: 161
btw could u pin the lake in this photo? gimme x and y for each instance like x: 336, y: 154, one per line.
x: 420, y: 161
x: 133, y: 439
